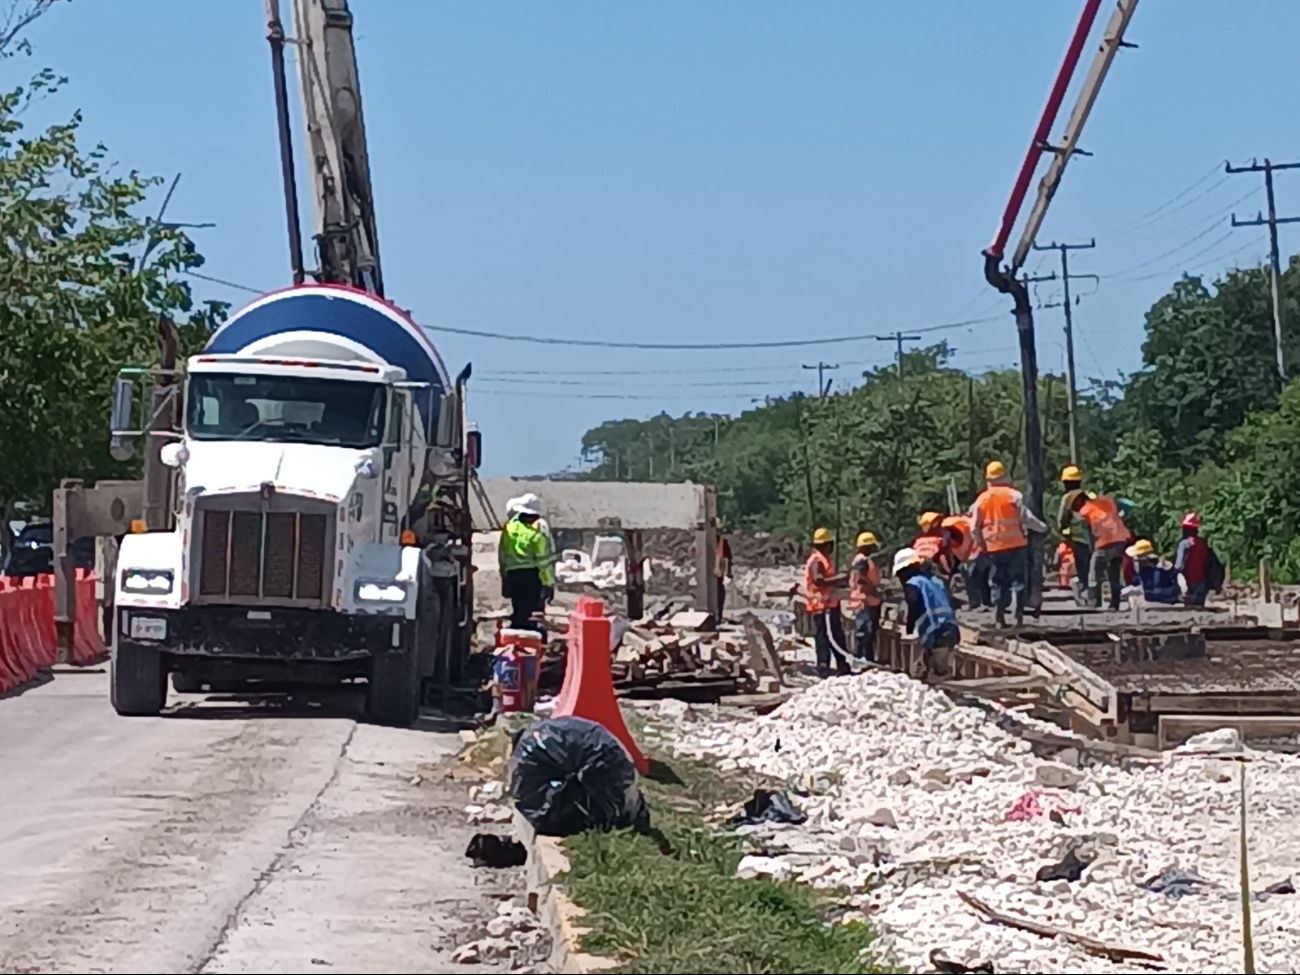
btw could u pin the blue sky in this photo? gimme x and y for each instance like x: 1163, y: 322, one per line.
x: 736, y: 170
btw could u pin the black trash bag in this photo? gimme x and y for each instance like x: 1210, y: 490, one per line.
x: 769, y: 807
x: 570, y: 775
x: 1070, y: 867
x: 497, y: 852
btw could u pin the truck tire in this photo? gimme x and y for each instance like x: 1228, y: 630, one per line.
x: 138, y: 681
x: 395, y: 691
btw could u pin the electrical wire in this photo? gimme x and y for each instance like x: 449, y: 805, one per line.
x: 1154, y: 216
x: 1124, y: 273
x: 223, y: 282
x: 695, y: 346
x: 588, y: 383
x: 1186, y: 262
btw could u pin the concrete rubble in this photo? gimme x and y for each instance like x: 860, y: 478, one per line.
x: 932, y: 817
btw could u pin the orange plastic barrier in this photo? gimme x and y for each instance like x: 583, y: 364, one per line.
x: 588, y: 690
x: 28, y: 637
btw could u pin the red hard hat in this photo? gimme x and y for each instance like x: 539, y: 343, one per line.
x: 1191, y: 520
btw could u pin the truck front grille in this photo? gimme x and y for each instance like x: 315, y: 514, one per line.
x: 275, y: 555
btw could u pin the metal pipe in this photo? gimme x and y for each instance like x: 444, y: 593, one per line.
x: 275, y: 35
x: 1044, y: 131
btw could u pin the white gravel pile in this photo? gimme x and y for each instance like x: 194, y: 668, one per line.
x: 910, y: 807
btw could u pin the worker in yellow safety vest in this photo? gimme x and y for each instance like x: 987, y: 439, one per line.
x: 1002, y: 521
x: 527, y: 564
x: 822, y: 592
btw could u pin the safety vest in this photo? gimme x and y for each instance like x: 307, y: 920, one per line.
x: 1104, y: 522
x: 820, y: 596
x: 525, y: 546
x: 939, y: 617
x: 864, y: 583
x: 999, y: 508
x: 928, y: 545
x: 961, y: 540
x: 1068, y: 568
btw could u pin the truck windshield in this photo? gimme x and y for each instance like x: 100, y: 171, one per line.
x: 300, y: 409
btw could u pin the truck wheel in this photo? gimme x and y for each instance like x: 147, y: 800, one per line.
x: 138, y: 681
x: 393, y: 696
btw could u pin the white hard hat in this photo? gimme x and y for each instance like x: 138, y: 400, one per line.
x: 512, y: 506
x: 905, y: 558
x: 527, y: 505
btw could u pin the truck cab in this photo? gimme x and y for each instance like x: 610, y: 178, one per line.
x: 315, y: 536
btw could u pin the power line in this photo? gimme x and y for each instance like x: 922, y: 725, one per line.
x: 222, y: 281
x: 697, y: 346
x: 512, y: 381
x: 1125, y: 272
x: 1185, y: 262
x: 1145, y: 219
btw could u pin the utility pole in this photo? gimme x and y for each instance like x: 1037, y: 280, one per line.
x: 1275, y: 260
x: 823, y: 384
x: 1072, y: 389
x: 899, y: 338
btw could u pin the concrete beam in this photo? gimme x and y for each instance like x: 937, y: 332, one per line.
x: 583, y: 505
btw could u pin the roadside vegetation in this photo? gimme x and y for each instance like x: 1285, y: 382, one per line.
x: 1205, y: 424
x: 671, y: 902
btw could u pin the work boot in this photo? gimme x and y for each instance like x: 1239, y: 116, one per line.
x: 1000, y: 619
x: 1020, y: 616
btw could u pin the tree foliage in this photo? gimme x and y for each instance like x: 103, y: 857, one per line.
x: 78, y: 300
x: 1204, y: 425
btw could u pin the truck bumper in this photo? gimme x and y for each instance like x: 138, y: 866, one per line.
x: 269, y: 635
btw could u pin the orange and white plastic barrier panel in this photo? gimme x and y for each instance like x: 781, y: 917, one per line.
x: 28, y: 638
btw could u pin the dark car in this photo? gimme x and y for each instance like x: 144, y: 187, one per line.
x: 33, y: 551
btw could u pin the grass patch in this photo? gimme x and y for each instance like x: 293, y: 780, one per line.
x: 671, y: 902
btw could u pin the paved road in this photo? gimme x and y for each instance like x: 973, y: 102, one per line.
x: 227, y: 837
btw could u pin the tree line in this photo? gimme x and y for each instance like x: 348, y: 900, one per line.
x: 1205, y: 424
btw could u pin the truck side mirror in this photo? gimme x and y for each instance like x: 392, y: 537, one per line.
x: 474, y: 448
x: 120, y: 444
x: 448, y: 432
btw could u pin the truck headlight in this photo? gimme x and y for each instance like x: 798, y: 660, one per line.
x: 154, y: 581
x: 381, y: 592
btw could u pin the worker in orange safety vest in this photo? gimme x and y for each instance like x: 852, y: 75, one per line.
x: 1002, y: 521
x: 822, y: 592
x: 864, y: 596
x: 1110, y: 542
x: 933, y: 543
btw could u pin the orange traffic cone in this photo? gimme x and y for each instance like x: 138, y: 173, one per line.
x: 588, y: 690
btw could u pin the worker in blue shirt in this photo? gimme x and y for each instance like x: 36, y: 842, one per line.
x: 931, y: 615
x: 1159, y: 579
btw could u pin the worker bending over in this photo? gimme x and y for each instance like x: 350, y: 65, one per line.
x: 930, y: 612
x: 1002, y: 521
x: 1197, y: 563
x: 527, y: 560
x: 865, y: 597
x: 964, y: 552
x: 1110, y: 540
x: 822, y: 592
x: 1080, y: 539
x: 933, y: 543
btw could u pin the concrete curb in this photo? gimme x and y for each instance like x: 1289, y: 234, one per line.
x: 560, y: 916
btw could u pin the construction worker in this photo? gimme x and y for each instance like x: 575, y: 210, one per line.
x: 821, y: 590
x: 932, y: 543
x: 1110, y: 542
x: 963, y: 551
x: 930, y: 612
x: 1003, y: 522
x: 864, y: 596
x: 534, y: 501
x: 527, y: 561
x: 722, y: 566
x: 1158, y: 578
x: 1064, y: 561
x: 1197, y: 563
x: 1080, y: 537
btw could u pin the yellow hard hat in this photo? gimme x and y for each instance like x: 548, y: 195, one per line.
x: 867, y: 538
x: 823, y: 535
x: 1072, y: 472
x: 1141, y: 549
x: 995, y: 469
x: 929, y: 520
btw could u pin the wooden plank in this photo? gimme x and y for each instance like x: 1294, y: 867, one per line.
x: 1245, y: 703
x: 1177, y: 728
x: 1100, y: 693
